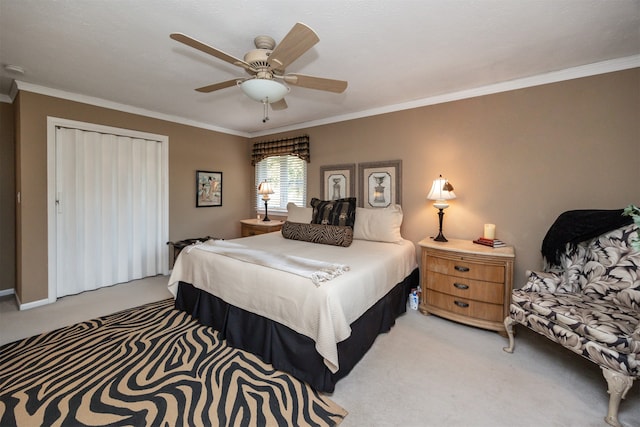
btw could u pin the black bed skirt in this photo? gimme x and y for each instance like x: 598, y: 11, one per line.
x: 286, y: 349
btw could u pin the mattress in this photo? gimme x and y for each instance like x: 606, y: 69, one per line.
x: 321, y: 312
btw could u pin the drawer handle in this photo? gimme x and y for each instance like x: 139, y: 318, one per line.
x: 461, y: 286
x: 461, y: 304
x: 461, y: 268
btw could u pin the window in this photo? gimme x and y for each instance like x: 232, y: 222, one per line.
x: 288, y: 177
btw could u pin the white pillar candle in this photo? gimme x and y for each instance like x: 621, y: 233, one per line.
x: 490, y: 231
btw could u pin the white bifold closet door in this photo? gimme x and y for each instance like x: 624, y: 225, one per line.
x: 108, y: 205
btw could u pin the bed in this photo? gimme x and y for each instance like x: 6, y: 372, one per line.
x: 315, y: 328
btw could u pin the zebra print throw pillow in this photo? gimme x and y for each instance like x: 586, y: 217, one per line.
x: 334, y: 212
x: 318, y: 233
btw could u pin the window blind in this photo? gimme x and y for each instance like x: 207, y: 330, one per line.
x: 288, y: 177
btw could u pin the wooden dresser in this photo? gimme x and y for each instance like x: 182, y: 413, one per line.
x: 251, y: 227
x: 467, y: 282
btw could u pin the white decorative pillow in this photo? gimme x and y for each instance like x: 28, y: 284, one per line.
x: 378, y: 224
x: 299, y: 214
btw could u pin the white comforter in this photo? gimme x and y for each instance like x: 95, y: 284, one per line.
x: 323, y: 312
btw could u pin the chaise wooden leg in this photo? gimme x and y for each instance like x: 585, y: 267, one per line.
x: 619, y: 384
x: 508, y: 325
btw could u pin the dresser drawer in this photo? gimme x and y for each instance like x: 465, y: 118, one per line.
x: 491, y: 292
x: 466, y: 269
x: 466, y: 307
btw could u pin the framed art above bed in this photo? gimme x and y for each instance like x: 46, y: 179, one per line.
x: 380, y: 184
x: 337, y: 181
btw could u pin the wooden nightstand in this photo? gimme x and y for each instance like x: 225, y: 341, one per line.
x: 467, y: 282
x: 251, y: 227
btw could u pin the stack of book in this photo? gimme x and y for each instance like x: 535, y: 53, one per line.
x: 494, y: 243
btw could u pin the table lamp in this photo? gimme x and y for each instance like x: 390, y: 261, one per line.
x: 441, y: 191
x: 265, y: 189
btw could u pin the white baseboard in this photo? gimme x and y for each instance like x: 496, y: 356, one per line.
x: 27, y: 306
x: 33, y: 304
x: 5, y: 292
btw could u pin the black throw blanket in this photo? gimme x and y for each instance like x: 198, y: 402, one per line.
x: 576, y: 226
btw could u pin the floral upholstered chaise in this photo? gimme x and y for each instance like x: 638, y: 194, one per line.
x: 587, y: 299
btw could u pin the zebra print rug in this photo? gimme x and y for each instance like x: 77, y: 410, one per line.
x: 149, y: 366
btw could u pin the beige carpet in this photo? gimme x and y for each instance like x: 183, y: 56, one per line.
x: 149, y: 366
x: 427, y: 371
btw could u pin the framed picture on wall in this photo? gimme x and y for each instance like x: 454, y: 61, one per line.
x: 380, y: 184
x: 337, y: 181
x: 208, y: 189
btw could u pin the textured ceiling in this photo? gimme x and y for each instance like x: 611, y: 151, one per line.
x: 392, y: 53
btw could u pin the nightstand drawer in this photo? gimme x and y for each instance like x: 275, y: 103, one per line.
x: 251, y: 230
x: 466, y: 307
x: 466, y: 282
x: 253, y: 227
x: 490, y: 292
x: 466, y: 269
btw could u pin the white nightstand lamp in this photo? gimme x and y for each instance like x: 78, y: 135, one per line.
x: 265, y: 189
x: 441, y: 192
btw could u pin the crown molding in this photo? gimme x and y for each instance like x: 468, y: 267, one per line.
x: 99, y: 102
x: 11, y: 96
x: 538, y: 80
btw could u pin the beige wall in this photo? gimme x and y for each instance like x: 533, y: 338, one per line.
x: 517, y: 159
x: 7, y: 198
x: 190, y: 149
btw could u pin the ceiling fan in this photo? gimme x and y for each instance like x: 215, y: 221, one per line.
x: 266, y: 66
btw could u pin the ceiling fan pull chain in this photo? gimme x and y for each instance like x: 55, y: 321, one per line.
x: 265, y: 105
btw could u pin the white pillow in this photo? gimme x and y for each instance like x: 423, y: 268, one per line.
x: 378, y: 224
x: 299, y: 214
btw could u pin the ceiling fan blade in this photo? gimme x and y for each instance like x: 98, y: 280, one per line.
x: 218, y: 86
x: 318, y: 83
x: 297, y: 41
x: 280, y: 105
x: 196, y: 44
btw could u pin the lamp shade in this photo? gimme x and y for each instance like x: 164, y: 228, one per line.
x: 264, y: 90
x: 265, y: 189
x: 441, y: 191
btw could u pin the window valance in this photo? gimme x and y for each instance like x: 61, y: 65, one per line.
x: 296, y: 146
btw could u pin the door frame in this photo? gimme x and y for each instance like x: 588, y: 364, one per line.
x: 52, y: 123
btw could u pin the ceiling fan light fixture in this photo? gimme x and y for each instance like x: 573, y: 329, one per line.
x: 264, y: 90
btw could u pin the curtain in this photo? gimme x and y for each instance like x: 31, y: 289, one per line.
x: 109, y: 204
x: 296, y: 146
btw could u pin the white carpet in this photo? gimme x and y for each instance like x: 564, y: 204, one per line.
x: 15, y: 324
x: 433, y: 372
x: 426, y: 372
